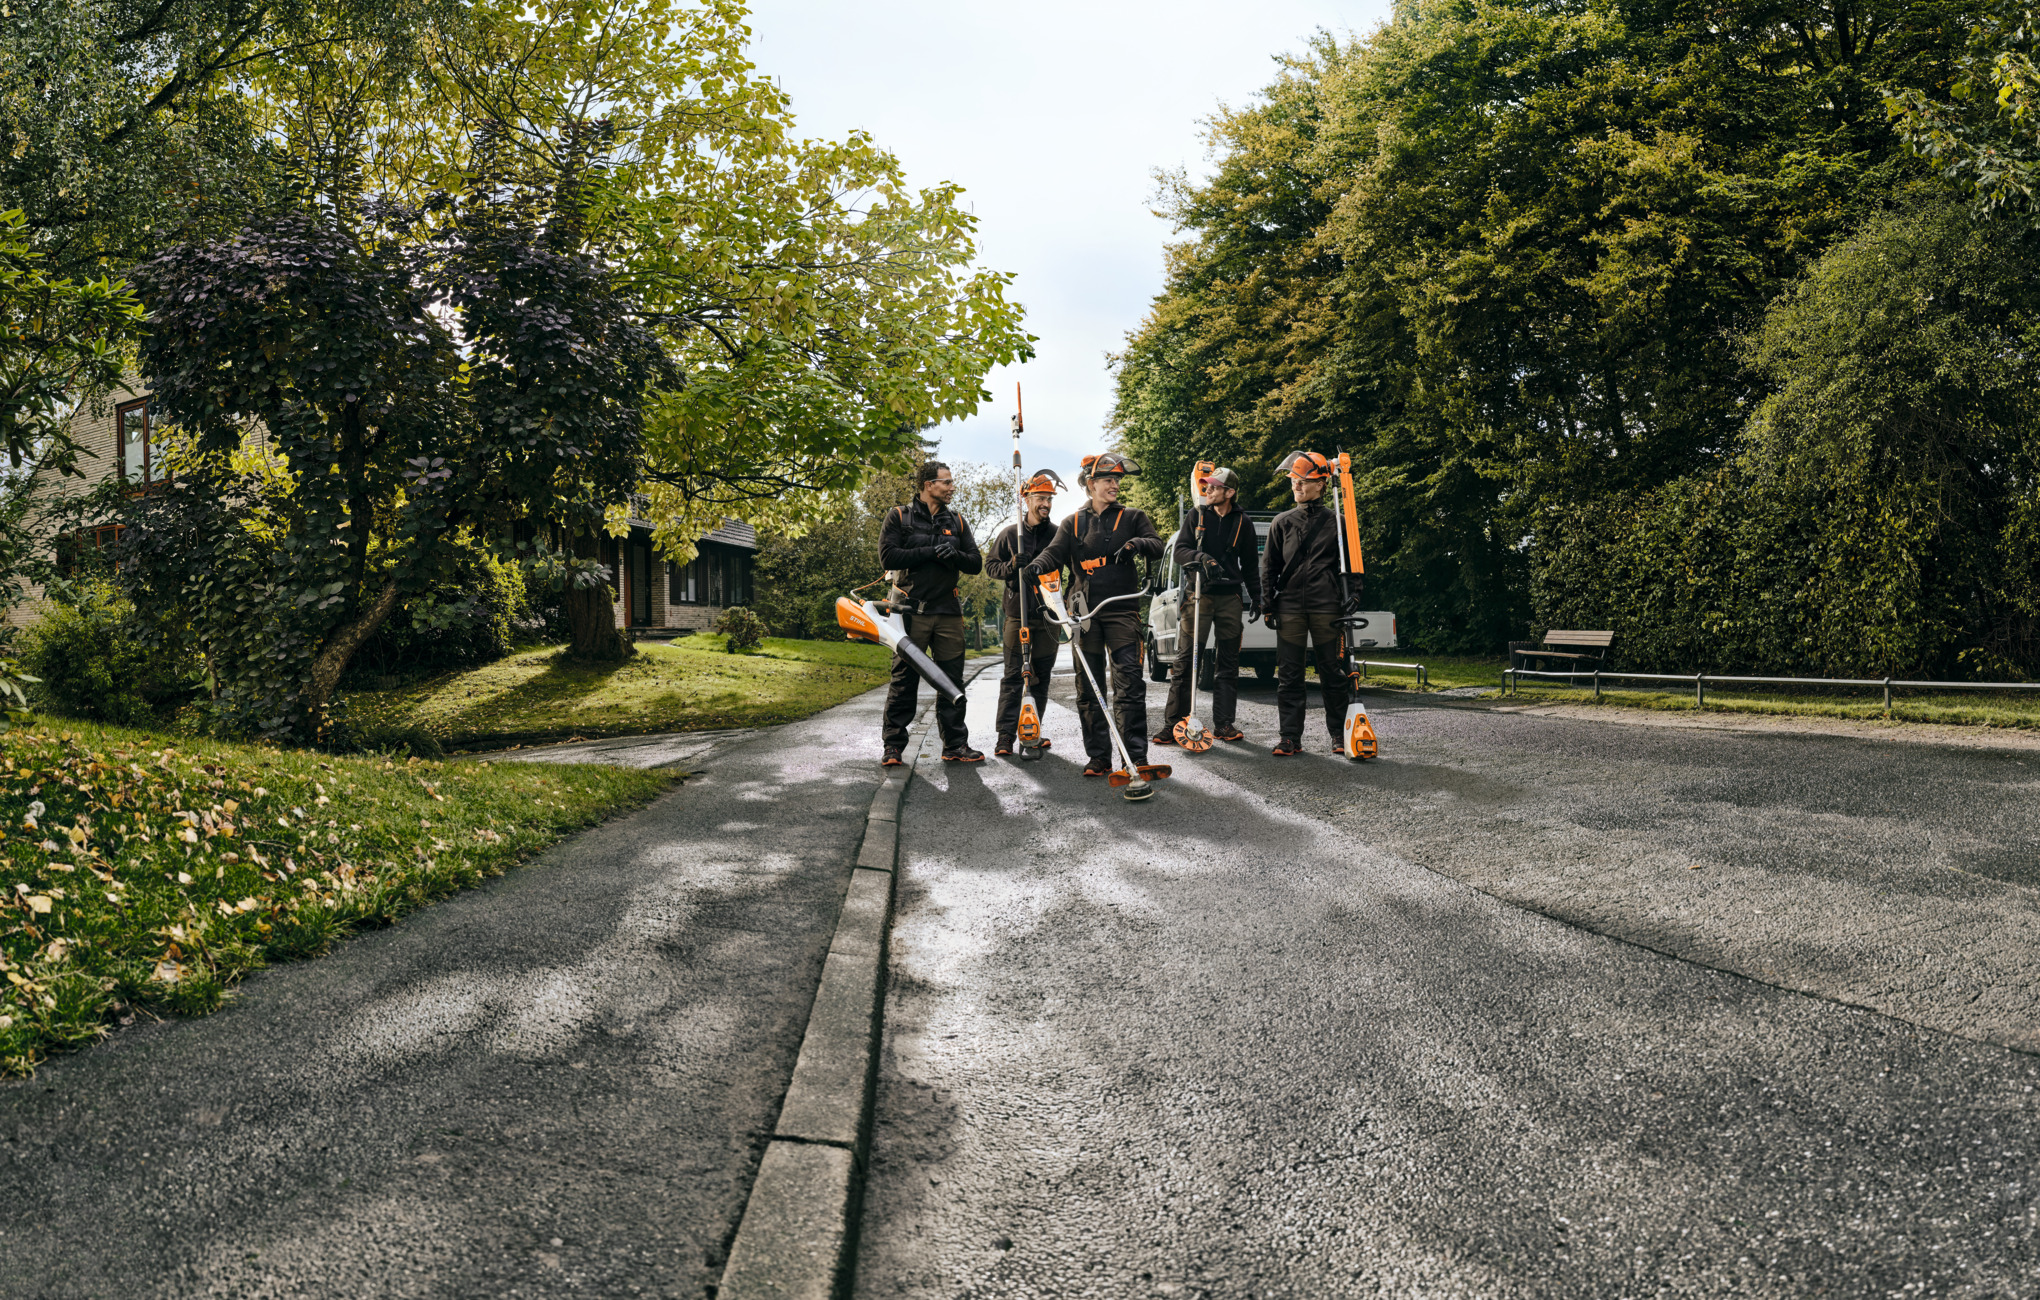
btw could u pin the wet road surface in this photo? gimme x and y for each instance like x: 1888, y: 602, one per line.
x: 1464, y: 1022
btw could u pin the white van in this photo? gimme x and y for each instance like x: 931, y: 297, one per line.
x: 1166, y: 640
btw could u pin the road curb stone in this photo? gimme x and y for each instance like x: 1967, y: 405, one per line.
x: 796, y: 1237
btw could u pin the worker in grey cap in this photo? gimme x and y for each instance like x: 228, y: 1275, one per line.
x: 1228, y: 555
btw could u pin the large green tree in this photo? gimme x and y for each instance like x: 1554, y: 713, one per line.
x: 1504, y: 252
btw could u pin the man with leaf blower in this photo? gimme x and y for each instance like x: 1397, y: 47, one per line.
x: 1013, y: 549
x: 1100, y: 545
x: 1217, y: 543
x: 930, y: 546
x: 1303, y: 581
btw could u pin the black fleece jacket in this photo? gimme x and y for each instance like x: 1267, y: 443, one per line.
x: 1003, y: 563
x: 908, y: 542
x: 1300, y: 568
x: 1230, y: 541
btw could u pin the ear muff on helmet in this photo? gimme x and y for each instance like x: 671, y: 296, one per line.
x: 1110, y: 462
x: 1306, y: 465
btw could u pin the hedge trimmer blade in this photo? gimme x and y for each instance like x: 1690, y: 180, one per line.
x: 1191, y: 735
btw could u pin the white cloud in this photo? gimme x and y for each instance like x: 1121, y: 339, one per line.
x: 1054, y: 116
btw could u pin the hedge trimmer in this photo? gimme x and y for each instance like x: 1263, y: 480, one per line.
x: 1358, y: 735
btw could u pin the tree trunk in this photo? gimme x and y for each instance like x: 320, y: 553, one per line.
x: 591, y: 616
x: 340, y: 647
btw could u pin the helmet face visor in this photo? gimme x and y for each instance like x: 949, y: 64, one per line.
x: 1042, y: 480
x: 1306, y: 465
x: 1110, y: 462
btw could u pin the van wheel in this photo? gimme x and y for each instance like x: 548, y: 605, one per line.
x: 1157, y: 670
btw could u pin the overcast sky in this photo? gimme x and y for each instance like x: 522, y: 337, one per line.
x: 1053, y: 115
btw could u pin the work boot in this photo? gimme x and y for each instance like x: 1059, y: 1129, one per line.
x: 1166, y: 736
x: 1003, y: 747
x: 1286, y: 747
x: 1229, y: 732
x: 962, y: 754
x: 1098, y: 767
x: 892, y: 759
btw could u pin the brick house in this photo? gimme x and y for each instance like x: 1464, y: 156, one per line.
x: 654, y: 596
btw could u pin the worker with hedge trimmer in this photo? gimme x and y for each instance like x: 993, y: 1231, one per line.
x: 1015, y: 547
x: 1217, y: 543
x: 930, y: 546
x: 1307, y: 589
x: 1100, y: 545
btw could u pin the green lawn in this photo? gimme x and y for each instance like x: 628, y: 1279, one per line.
x: 687, y: 685
x: 143, y: 873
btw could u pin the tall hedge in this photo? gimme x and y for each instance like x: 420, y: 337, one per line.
x: 1882, y: 513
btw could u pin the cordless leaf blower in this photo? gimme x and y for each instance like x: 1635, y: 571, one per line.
x: 1358, y: 731
x: 880, y: 624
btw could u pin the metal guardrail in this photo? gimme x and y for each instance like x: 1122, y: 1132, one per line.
x: 1423, y: 673
x: 1512, y: 679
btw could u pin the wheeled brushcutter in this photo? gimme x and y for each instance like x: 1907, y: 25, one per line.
x: 1137, y: 780
x: 1358, y: 732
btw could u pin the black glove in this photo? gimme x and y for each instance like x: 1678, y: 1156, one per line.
x: 1249, y: 610
x: 947, y: 552
x: 1203, y: 563
x: 1268, y: 621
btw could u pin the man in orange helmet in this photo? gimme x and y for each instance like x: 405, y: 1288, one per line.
x: 1300, y: 584
x: 1011, y: 551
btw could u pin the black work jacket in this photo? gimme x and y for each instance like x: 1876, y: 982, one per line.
x: 1100, y: 551
x: 907, y: 543
x: 1300, y: 568
x: 1228, y: 539
x: 1003, y: 563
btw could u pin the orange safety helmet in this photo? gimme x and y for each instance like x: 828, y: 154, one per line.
x: 1110, y: 462
x: 1306, y: 465
x: 1042, y: 480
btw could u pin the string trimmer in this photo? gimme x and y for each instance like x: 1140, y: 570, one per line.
x: 1190, y: 732
x: 1028, y: 732
x: 1135, y: 779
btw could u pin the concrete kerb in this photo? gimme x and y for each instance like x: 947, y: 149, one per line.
x: 797, y: 1235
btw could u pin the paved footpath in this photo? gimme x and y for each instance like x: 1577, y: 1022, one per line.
x: 1274, y: 1033
x: 556, y: 1084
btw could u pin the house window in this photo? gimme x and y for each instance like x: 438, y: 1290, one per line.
x: 715, y: 577
x: 137, y: 450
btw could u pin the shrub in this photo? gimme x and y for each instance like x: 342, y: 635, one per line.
x: 93, y: 662
x: 473, y: 614
x: 743, y: 629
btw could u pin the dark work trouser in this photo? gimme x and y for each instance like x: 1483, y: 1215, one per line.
x: 1221, y: 610
x: 940, y: 637
x: 1114, y: 635
x: 1322, y: 626
x: 1042, y: 636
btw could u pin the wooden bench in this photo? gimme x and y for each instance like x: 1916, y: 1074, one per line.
x: 1587, y: 650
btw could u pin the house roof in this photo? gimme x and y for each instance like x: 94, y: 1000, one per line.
x: 734, y: 532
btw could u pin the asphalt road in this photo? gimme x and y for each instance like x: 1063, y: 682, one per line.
x: 559, y: 1083
x: 1515, y: 1011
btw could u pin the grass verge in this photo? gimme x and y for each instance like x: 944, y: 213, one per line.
x: 142, y: 874
x: 686, y: 685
